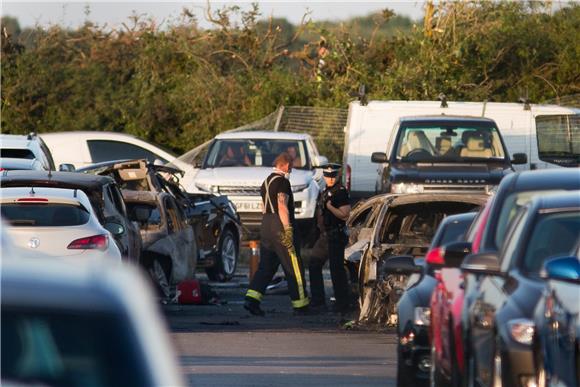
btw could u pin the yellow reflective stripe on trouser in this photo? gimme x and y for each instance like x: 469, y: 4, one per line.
x: 302, y: 300
x: 254, y: 294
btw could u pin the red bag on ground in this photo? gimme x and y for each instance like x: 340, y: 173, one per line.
x: 189, y: 292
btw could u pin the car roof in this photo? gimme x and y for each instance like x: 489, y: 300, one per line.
x: 259, y: 134
x: 16, y: 140
x: 53, y: 179
x: 446, y: 118
x: 403, y: 199
x: 544, y: 179
x: 557, y: 201
x: 62, y: 195
x: 91, y: 135
x: 55, y: 283
x: 17, y: 163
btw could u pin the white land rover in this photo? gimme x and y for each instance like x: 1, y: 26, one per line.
x: 237, y: 163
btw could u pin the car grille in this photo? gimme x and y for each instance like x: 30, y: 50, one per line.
x: 455, y: 188
x: 239, y: 190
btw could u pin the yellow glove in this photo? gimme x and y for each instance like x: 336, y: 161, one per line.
x: 287, y: 237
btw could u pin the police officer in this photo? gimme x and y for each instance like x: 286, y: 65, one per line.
x: 277, y: 241
x: 334, y: 209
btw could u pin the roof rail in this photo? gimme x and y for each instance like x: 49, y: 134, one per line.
x: 526, y: 102
x: 31, y: 135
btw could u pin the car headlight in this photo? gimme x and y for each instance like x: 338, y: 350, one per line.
x: 422, y: 316
x: 298, y: 188
x: 207, y: 187
x: 407, y: 188
x: 522, y: 330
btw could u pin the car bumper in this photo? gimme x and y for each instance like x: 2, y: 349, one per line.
x: 416, y: 353
x: 519, y: 367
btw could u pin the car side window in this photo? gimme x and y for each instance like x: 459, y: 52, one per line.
x: 107, y: 150
x: 361, y: 218
x: 513, y: 238
x: 118, y: 200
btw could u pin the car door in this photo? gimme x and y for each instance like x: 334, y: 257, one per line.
x: 182, y: 236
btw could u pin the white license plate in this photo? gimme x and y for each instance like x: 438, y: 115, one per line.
x: 252, y: 206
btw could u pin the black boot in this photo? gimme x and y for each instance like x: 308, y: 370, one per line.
x: 253, y: 307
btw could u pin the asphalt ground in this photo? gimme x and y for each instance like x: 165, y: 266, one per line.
x: 223, y: 345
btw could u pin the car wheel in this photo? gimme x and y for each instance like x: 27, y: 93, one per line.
x: 159, y: 268
x: 227, y: 261
x: 436, y: 379
x: 497, y: 367
x: 404, y: 378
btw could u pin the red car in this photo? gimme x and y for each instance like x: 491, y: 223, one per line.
x: 446, y: 306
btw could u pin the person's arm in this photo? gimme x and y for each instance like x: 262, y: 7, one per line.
x: 341, y: 212
x: 283, y: 212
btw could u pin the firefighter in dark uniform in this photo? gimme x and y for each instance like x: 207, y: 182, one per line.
x: 334, y: 210
x: 277, y: 241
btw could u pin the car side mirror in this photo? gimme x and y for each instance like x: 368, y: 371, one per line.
x: 114, y: 228
x: 400, y: 264
x: 197, y: 164
x: 482, y: 263
x: 520, y: 158
x: 562, y: 268
x: 379, y: 157
x: 66, y: 168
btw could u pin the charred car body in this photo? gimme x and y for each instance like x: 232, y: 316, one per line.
x: 213, y: 218
x: 105, y: 198
x: 402, y: 231
x: 444, y: 154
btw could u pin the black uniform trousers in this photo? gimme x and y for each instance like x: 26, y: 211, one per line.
x: 273, y: 253
x: 335, y: 244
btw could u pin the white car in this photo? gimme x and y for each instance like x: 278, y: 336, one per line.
x: 30, y: 147
x: 84, y: 324
x: 57, y: 222
x: 237, y: 163
x: 82, y: 149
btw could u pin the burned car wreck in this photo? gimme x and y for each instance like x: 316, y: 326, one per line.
x: 215, y: 222
x: 392, y: 226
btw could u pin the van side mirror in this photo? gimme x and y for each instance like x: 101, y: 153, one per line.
x: 379, y: 157
x: 520, y: 158
x: 66, y: 168
x: 482, y: 263
x: 400, y: 264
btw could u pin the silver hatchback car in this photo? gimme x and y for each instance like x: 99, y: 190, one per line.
x: 88, y: 324
x: 57, y: 222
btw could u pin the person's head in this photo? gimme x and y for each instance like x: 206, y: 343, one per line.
x: 292, y: 151
x: 230, y: 152
x: 331, y: 174
x: 283, y: 162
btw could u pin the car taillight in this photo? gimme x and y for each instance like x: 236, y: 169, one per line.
x: 347, y: 177
x: 98, y: 242
x: 435, y: 256
x: 31, y: 200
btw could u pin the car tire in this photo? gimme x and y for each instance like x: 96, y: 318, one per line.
x: 436, y: 379
x: 404, y: 377
x: 497, y: 376
x: 227, y: 259
x: 159, y: 268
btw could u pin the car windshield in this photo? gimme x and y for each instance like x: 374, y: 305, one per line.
x: 554, y: 234
x: 255, y: 153
x: 54, y: 348
x: 445, y: 141
x: 16, y: 153
x: 44, y: 214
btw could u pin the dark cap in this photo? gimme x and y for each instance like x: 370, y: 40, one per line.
x: 331, y: 169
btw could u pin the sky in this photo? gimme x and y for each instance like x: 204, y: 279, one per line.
x: 72, y: 14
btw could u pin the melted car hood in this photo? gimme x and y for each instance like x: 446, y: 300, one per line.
x: 247, y: 176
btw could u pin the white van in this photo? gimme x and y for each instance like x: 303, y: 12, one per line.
x: 548, y: 134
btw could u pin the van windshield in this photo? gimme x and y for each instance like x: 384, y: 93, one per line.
x: 255, y: 153
x: 448, y: 141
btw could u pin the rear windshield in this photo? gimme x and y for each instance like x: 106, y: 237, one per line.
x: 69, y: 349
x: 559, y: 139
x: 44, y: 214
x: 442, y: 141
x: 16, y: 153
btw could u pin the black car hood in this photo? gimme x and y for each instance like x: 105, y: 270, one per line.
x: 450, y: 173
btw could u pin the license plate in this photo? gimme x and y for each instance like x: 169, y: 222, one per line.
x: 249, y: 206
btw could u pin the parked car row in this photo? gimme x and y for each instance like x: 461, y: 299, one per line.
x: 493, y: 298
